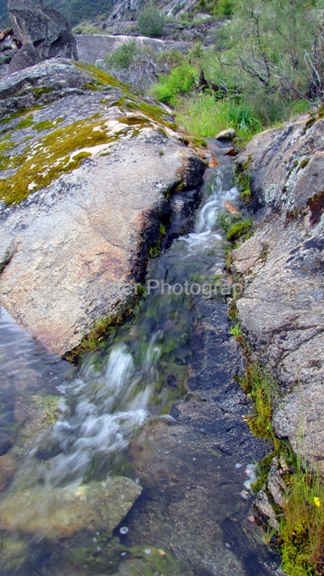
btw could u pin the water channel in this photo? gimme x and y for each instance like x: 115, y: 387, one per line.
x: 157, y: 405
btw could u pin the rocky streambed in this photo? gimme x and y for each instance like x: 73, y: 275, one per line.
x: 84, y: 448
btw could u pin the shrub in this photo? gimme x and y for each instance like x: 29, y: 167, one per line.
x: 225, y: 8
x: 180, y: 81
x: 151, y: 22
x: 123, y: 56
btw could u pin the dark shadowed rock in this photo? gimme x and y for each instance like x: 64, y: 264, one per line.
x: 9, y: 46
x: 25, y: 57
x: 45, y: 29
x: 282, y: 308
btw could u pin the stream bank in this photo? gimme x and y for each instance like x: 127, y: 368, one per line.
x: 280, y: 317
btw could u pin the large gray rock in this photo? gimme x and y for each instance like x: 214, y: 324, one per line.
x: 25, y: 57
x: 74, y: 248
x: 93, y: 47
x: 39, y: 85
x: 282, y: 308
x: 43, y: 28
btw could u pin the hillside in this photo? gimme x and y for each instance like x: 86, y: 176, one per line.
x: 77, y: 11
x: 74, y: 11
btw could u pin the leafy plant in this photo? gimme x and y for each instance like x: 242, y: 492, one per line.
x: 123, y: 56
x: 151, y: 22
x: 180, y: 81
x: 236, y: 331
x: 302, y: 525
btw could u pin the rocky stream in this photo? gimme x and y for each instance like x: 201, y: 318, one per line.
x: 139, y: 461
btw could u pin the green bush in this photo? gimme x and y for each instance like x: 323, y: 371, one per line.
x: 151, y: 22
x: 180, y: 81
x: 123, y: 56
x: 225, y: 8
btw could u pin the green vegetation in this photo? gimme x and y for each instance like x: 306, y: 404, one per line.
x: 102, y: 329
x: 302, y: 525
x: 180, y: 81
x: 262, y: 388
x: 151, y: 22
x: 123, y: 56
x: 239, y: 230
x: 203, y: 115
x: 236, y: 332
x: 47, y: 124
x: 300, y: 538
x: 267, y: 66
x: 52, y: 156
x: 25, y: 123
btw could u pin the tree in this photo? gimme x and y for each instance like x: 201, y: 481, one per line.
x: 279, y: 45
x: 151, y: 22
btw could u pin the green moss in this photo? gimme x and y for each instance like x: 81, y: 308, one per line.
x: 303, y: 163
x: 47, y: 124
x: 7, y: 160
x: 239, y: 230
x: 135, y: 121
x: 25, y: 123
x: 260, y: 385
x: 40, y: 91
x: 91, y: 86
x: 154, y: 112
x: 263, y: 469
x: 243, y: 180
x: 100, y: 77
x: 103, y: 328
x: 51, y: 157
x: 49, y: 404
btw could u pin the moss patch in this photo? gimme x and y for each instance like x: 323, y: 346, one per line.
x: 239, y: 230
x: 103, y: 329
x: 47, y: 124
x: 51, y: 157
x: 25, y: 123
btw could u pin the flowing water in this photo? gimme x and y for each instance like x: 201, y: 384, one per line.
x: 157, y: 404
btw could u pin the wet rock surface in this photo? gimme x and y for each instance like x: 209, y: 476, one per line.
x: 282, y: 308
x: 218, y: 406
x: 95, y: 506
x: 72, y: 250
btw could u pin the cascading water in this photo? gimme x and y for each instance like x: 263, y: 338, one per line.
x: 113, y: 420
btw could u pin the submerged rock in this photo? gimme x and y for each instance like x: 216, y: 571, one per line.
x: 282, y: 308
x: 54, y: 512
x: 85, y: 182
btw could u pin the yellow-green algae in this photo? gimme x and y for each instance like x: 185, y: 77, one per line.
x: 51, y: 157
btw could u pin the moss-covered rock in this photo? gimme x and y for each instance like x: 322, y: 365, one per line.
x: 83, y: 187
